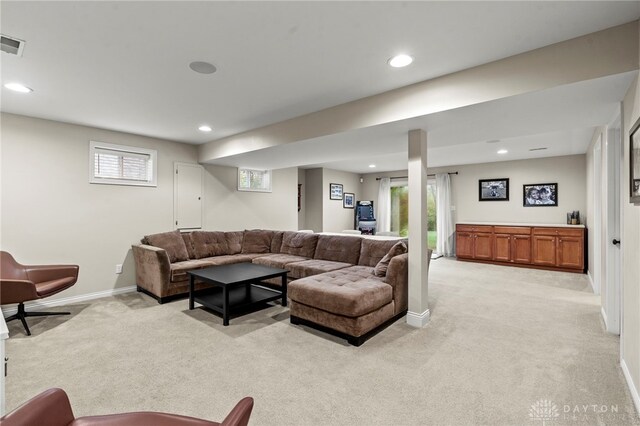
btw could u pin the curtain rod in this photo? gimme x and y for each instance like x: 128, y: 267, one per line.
x: 406, y: 177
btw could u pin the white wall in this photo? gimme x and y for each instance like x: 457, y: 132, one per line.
x: 227, y: 209
x: 568, y: 171
x: 51, y: 214
x: 630, y: 337
x: 335, y: 217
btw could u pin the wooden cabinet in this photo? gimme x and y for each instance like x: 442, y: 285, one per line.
x: 560, y: 247
x: 543, y: 247
x: 512, y: 244
x: 474, y: 242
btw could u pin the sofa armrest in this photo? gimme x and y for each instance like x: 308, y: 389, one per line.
x: 398, y: 278
x: 153, y: 269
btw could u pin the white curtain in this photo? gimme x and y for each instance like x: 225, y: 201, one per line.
x: 384, y: 206
x: 444, y: 221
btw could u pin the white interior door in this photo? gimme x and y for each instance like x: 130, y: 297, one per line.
x: 612, y: 300
x: 596, y: 233
x: 187, y: 196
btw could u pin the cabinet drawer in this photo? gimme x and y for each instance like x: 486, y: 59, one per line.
x: 522, y: 230
x: 474, y: 228
x: 564, y: 232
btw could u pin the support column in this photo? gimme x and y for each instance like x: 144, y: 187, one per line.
x: 418, y: 314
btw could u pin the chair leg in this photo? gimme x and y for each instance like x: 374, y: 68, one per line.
x: 22, y: 314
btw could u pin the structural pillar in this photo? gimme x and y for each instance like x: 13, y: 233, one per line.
x: 418, y: 314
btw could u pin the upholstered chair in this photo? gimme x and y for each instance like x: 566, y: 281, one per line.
x: 22, y: 283
x: 52, y: 408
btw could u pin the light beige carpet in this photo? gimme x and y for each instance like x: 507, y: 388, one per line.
x: 500, y: 340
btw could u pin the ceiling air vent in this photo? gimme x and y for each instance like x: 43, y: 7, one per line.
x: 11, y: 45
x: 537, y: 149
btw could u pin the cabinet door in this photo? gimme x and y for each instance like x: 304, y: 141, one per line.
x: 464, y: 245
x: 521, y: 248
x: 483, y: 247
x: 544, y: 250
x: 570, y: 254
x: 502, y: 247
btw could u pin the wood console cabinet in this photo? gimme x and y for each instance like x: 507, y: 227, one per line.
x: 544, y: 247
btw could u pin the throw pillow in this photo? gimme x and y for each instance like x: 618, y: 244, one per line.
x: 381, y: 268
x: 172, y: 243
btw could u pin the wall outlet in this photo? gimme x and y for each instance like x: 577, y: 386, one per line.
x: 119, y: 268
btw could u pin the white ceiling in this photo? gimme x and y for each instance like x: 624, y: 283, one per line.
x: 124, y: 65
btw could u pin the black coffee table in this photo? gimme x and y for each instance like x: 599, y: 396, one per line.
x: 236, y: 287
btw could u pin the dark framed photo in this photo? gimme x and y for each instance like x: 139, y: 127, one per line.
x: 335, y: 191
x: 540, y: 195
x: 493, y: 189
x: 634, y: 163
x: 349, y: 200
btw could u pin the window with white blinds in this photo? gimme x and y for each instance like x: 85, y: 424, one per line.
x: 122, y: 165
x: 254, y: 180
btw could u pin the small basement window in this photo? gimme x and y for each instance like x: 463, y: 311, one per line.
x: 254, y: 180
x: 122, y: 165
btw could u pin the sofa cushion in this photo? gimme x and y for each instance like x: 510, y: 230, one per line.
x: 299, y: 244
x: 186, y: 236
x: 314, y: 267
x: 276, y: 241
x: 208, y: 243
x: 338, y: 248
x: 341, y: 296
x: 278, y: 260
x: 257, y: 241
x: 381, y: 268
x: 172, y: 243
x: 234, y: 241
x: 179, y: 269
x: 373, y: 250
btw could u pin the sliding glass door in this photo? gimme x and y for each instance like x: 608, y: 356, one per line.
x: 400, y: 210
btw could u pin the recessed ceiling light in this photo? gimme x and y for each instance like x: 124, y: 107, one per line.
x: 502, y: 151
x: 202, y: 67
x: 17, y: 87
x: 400, y: 61
x: 205, y: 128
x: 372, y: 165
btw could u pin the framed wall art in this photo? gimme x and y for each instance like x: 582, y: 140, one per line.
x: 634, y: 164
x: 493, y: 189
x: 540, y: 195
x: 349, y: 200
x: 335, y: 191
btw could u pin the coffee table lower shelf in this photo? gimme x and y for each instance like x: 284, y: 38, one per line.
x: 240, y: 298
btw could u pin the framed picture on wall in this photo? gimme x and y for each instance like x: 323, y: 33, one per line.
x: 634, y: 163
x: 540, y: 195
x: 493, y: 189
x: 349, y: 200
x: 335, y: 191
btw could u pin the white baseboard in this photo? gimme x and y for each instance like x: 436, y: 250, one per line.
x: 418, y: 320
x: 632, y: 387
x: 591, y: 282
x: 604, y: 318
x: 44, y: 303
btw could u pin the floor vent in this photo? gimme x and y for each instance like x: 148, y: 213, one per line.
x: 11, y: 45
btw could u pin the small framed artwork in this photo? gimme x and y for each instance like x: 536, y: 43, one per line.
x: 335, y: 191
x: 634, y: 163
x: 540, y: 195
x: 493, y: 189
x: 349, y: 200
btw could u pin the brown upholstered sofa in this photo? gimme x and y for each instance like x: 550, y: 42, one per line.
x: 332, y: 283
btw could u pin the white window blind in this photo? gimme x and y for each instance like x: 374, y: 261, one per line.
x: 254, y: 180
x: 122, y: 165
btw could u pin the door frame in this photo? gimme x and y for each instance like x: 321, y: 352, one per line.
x: 177, y: 164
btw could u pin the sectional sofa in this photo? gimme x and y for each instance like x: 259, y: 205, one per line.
x: 346, y: 285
